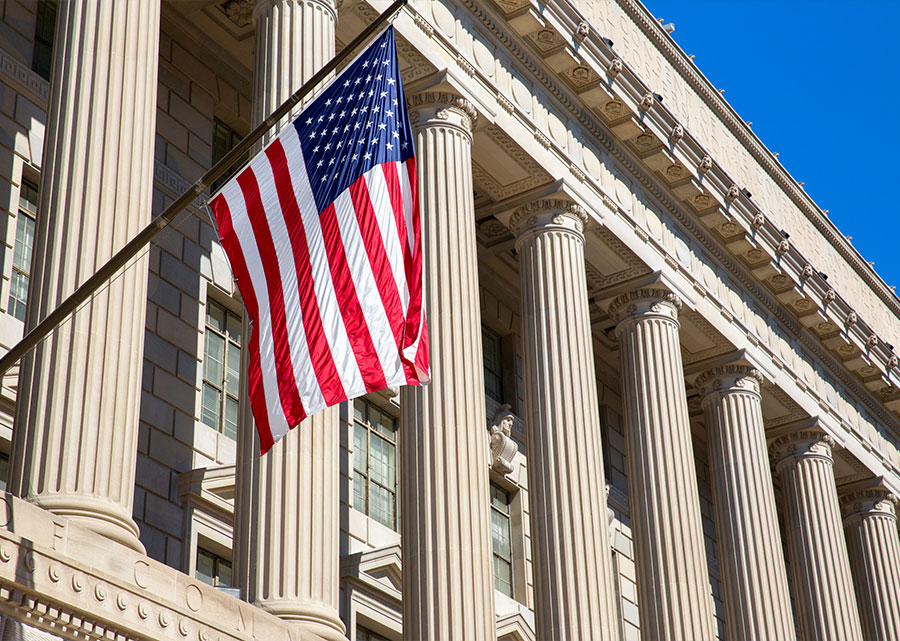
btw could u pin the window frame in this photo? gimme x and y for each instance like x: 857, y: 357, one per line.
x: 371, y: 430
x: 26, y: 215
x: 217, y: 560
x: 508, y: 516
x: 221, y: 388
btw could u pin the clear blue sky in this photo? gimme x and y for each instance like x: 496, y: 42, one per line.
x: 820, y: 80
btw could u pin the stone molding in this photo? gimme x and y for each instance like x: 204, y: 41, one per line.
x: 442, y: 105
x: 549, y: 214
x: 641, y: 302
x: 74, y: 583
x: 729, y: 378
x: 803, y: 444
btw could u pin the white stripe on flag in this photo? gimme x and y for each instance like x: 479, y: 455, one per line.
x: 329, y: 310
x: 403, y: 169
x: 367, y: 290
x: 387, y: 224
x: 234, y: 197
x: 304, y: 373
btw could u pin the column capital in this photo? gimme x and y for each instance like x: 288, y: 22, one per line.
x: 551, y: 214
x: 808, y: 443
x: 443, y: 107
x: 728, y: 378
x: 645, y: 302
x: 250, y: 9
x: 875, y: 500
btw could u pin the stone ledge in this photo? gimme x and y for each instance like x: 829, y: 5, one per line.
x: 79, y: 585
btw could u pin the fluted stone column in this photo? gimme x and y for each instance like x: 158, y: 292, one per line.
x: 820, y: 570
x: 447, y: 560
x: 287, y: 516
x: 76, y: 425
x: 754, y: 577
x: 674, y: 596
x: 870, y: 523
x: 573, y: 575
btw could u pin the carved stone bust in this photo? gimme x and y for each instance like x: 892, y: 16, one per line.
x: 503, y: 448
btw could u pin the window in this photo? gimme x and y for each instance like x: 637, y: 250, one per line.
x: 213, y: 569
x: 501, y: 540
x: 493, y: 364
x: 18, y: 289
x: 363, y: 634
x: 4, y: 470
x: 221, y: 369
x: 224, y: 140
x: 45, y: 25
x: 375, y: 463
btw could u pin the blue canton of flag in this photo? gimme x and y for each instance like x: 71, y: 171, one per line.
x: 357, y: 123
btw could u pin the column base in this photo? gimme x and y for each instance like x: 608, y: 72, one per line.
x: 308, y: 616
x: 87, y: 512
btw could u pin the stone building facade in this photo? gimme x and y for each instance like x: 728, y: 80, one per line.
x: 665, y: 399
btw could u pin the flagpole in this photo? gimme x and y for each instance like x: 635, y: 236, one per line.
x: 120, y: 258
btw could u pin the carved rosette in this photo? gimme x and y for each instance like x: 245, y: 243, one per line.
x: 548, y: 215
x: 645, y: 302
x: 435, y: 108
x: 808, y: 444
x: 863, y: 503
x: 728, y: 379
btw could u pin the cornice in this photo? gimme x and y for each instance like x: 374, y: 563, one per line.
x: 689, y: 71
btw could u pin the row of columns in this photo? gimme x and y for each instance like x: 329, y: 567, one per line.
x: 290, y: 565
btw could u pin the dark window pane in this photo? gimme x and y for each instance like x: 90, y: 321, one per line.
x: 493, y: 364
x: 4, y: 470
x: 44, y: 28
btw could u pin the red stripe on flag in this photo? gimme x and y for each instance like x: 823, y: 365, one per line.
x: 351, y: 310
x: 319, y: 350
x: 392, y: 180
x: 415, y: 322
x: 287, y: 384
x: 254, y: 374
x: 381, y: 267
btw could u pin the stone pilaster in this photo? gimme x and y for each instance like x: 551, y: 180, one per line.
x: 820, y: 571
x: 573, y: 576
x: 673, y: 580
x: 754, y: 577
x: 870, y: 523
x: 447, y: 561
x: 76, y: 426
x: 287, y: 519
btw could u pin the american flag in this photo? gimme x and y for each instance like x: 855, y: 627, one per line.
x: 323, y: 235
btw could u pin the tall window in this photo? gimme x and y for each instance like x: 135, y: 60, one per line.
x: 375, y: 463
x: 493, y: 364
x: 363, y: 634
x: 45, y: 25
x: 224, y: 139
x: 501, y: 540
x: 213, y: 570
x: 221, y: 369
x: 18, y: 290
